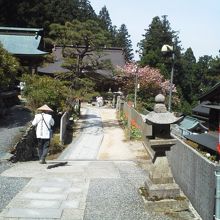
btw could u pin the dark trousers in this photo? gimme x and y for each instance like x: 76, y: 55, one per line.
x: 43, y: 147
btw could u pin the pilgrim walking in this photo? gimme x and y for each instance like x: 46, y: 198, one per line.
x: 43, y: 121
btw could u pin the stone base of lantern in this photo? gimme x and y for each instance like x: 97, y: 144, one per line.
x: 160, y: 183
x: 161, y: 191
x: 167, y: 205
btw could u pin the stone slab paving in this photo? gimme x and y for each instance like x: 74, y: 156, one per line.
x: 80, y: 190
x: 86, y: 145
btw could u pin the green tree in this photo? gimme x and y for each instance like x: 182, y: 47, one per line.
x: 214, y: 71
x: 86, y: 39
x: 8, y: 69
x: 85, y: 11
x: 203, y: 68
x: 186, y: 79
x: 105, y: 20
x: 42, y: 13
x: 83, y: 57
x: 106, y: 24
x: 158, y: 34
x: 122, y: 39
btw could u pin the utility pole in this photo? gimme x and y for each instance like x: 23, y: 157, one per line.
x: 135, y: 88
x: 171, y: 84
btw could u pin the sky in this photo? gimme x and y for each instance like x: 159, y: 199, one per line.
x: 197, y: 21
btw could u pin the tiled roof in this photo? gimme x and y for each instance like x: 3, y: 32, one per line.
x: 115, y: 55
x: 56, y: 66
x: 190, y: 123
x: 200, y: 109
x: 205, y: 140
x: 17, y: 29
x: 21, y: 41
x: 212, y: 95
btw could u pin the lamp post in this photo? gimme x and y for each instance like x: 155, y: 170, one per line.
x: 169, y: 49
x: 136, y: 86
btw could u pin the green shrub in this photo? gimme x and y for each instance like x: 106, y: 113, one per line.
x: 41, y: 90
x: 8, y: 69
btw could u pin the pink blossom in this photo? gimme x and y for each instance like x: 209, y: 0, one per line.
x: 148, y: 78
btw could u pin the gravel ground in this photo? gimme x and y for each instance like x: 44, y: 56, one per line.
x: 116, y: 199
x: 9, y: 186
x: 12, y: 126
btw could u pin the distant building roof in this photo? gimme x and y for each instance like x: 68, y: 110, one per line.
x: 190, y: 123
x: 216, y: 107
x: 17, y: 29
x: 201, y: 110
x: 21, y: 41
x: 212, y: 95
x: 115, y: 55
x: 206, y: 140
x: 56, y: 66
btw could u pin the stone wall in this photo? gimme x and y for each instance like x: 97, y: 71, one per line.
x: 26, y: 148
x: 196, y: 177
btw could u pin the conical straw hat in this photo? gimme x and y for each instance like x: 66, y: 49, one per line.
x: 45, y: 108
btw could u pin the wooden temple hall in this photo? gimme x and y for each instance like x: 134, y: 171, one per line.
x: 25, y: 44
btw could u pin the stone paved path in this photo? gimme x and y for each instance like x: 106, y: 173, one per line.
x: 85, y: 188
x: 80, y: 190
x: 86, y: 145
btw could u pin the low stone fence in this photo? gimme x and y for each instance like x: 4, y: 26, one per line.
x: 26, y: 147
x: 196, y: 176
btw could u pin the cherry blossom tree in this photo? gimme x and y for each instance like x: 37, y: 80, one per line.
x: 151, y: 82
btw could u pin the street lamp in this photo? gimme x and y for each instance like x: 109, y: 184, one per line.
x: 169, y: 49
x: 136, y: 87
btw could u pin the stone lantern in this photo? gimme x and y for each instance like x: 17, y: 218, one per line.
x: 160, y: 183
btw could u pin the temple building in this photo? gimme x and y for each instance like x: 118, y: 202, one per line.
x: 103, y: 77
x: 25, y: 44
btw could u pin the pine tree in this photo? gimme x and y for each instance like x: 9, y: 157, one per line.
x: 158, y: 34
x: 86, y: 39
x: 122, y: 40
x: 105, y: 19
x: 42, y: 13
x: 186, y: 79
x: 106, y: 24
x: 85, y: 11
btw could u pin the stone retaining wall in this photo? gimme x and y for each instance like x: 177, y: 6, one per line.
x: 195, y: 175
x: 26, y: 148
